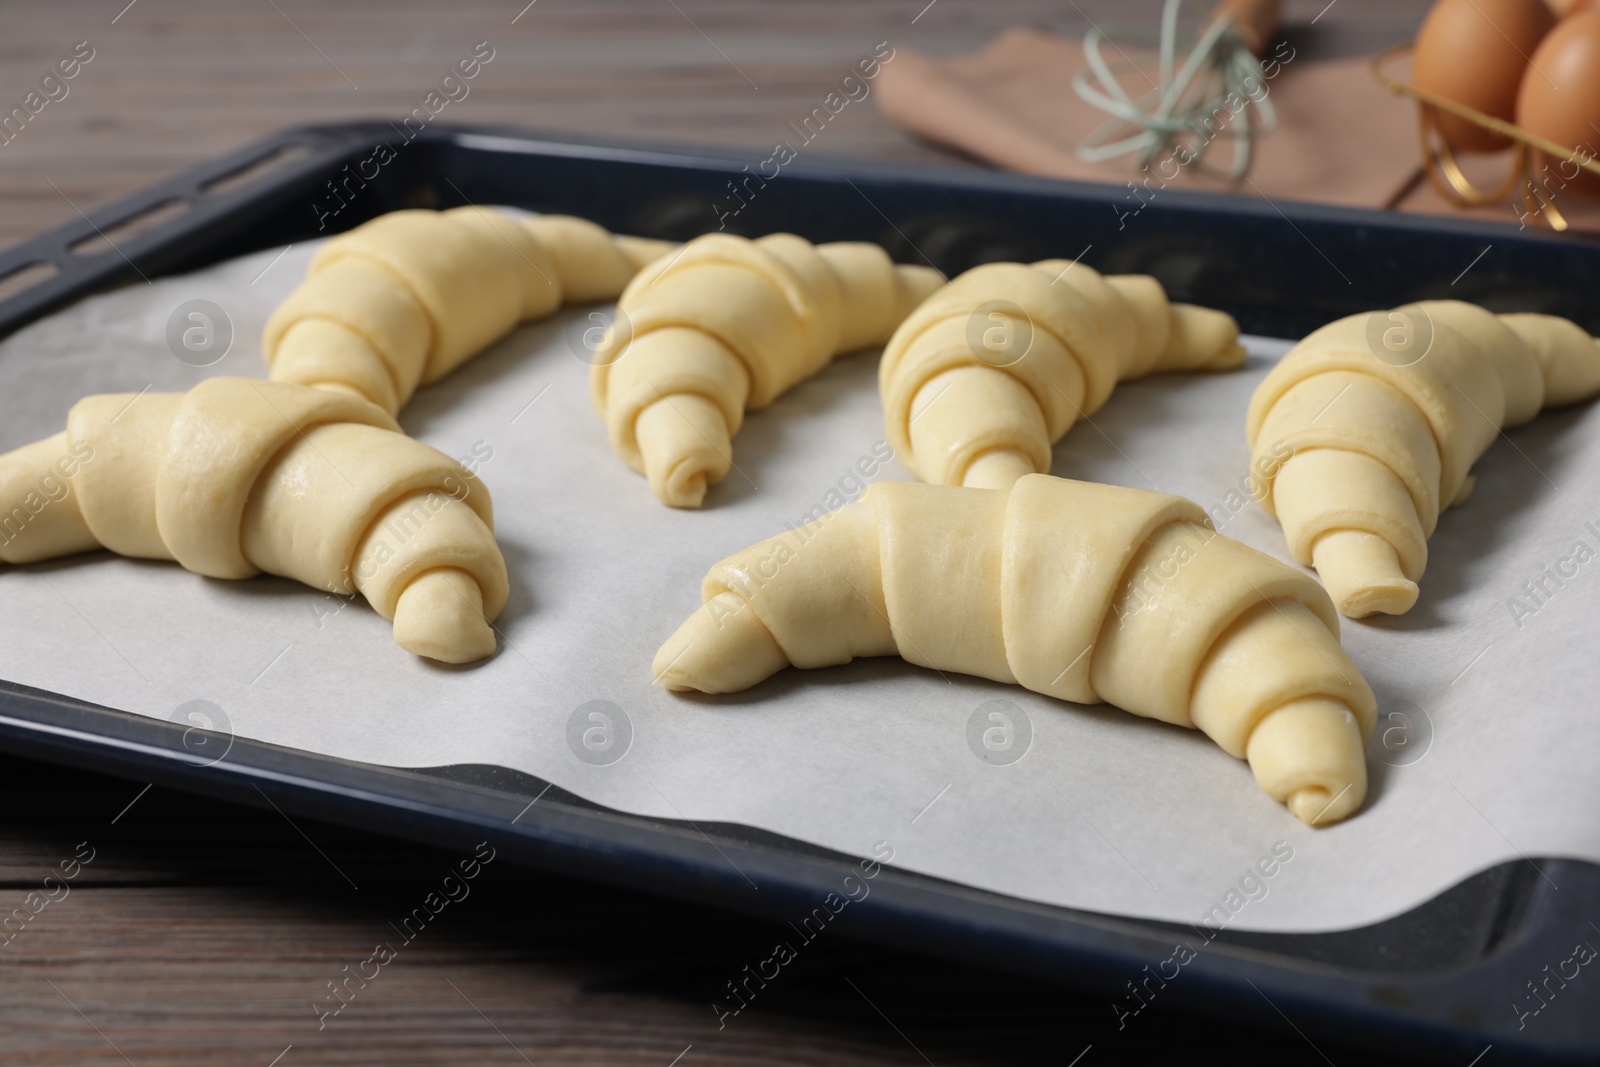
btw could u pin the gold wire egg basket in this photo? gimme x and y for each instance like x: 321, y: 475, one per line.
x: 1444, y: 171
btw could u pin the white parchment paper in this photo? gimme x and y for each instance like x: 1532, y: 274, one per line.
x: 1486, y: 750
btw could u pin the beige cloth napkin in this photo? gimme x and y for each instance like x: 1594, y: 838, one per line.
x: 1341, y: 138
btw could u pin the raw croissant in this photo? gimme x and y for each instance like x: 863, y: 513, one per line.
x: 985, y: 376
x: 1077, y: 590
x: 1377, y: 444
x: 237, y: 476
x: 408, y: 297
x: 728, y: 324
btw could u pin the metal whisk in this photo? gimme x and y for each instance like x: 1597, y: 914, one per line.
x: 1222, y: 65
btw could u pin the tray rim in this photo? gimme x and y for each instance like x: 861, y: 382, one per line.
x: 344, y: 792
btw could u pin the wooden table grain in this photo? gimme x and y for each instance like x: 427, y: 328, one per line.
x: 208, y: 934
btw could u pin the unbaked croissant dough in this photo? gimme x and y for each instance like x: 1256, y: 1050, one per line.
x: 1077, y: 590
x: 986, y: 375
x: 728, y: 324
x: 1356, y: 454
x: 408, y: 297
x: 237, y: 476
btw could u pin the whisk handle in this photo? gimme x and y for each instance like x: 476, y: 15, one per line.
x: 1255, y: 20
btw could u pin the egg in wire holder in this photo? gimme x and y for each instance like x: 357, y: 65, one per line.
x: 1444, y: 171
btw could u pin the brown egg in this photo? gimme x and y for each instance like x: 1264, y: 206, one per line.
x: 1560, y: 99
x: 1473, y: 52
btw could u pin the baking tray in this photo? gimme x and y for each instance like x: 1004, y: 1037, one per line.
x: 1444, y: 982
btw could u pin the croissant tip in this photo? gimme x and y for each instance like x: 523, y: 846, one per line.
x: 679, y: 668
x: 668, y: 669
x: 1386, y: 598
x: 1308, y: 754
x: 1316, y: 806
x: 1232, y: 358
x: 1363, y: 574
x: 685, y: 492
x: 440, y: 616
x: 467, y: 642
x: 1000, y: 468
x: 455, y: 653
x: 722, y: 648
x: 676, y: 681
x: 685, y: 444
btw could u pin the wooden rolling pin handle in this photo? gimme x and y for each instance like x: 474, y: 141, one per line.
x: 1256, y: 21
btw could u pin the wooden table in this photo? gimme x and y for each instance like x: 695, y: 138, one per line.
x: 203, y: 933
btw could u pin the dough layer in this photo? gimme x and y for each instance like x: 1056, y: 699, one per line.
x: 984, y: 377
x: 1084, y: 592
x: 405, y: 299
x: 726, y: 325
x: 1369, y: 428
x: 237, y: 477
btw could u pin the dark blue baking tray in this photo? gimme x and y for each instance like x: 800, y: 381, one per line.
x: 1450, y: 981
